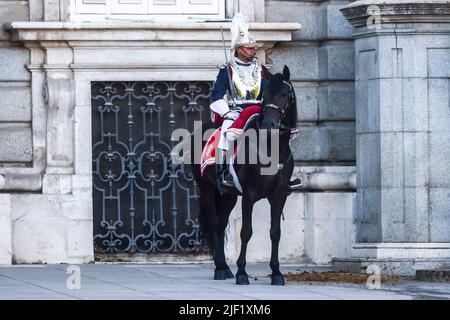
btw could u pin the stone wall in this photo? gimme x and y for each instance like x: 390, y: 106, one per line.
x: 402, y: 131
x: 321, y: 59
x: 402, y: 138
x: 15, y: 93
x: 322, y: 64
x: 51, y: 228
x: 49, y: 209
x: 317, y: 227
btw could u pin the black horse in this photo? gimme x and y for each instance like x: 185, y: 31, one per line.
x: 279, y: 112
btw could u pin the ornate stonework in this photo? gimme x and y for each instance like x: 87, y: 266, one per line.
x: 397, y: 11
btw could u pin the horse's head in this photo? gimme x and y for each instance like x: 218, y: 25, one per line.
x: 279, y: 103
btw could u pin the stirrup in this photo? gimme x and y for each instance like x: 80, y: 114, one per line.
x: 222, y: 189
x: 227, y: 180
x: 220, y: 170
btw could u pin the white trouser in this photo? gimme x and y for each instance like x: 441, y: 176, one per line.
x: 228, y: 120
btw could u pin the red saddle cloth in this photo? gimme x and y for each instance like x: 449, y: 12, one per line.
x: 245, y: 117
x: 240, y: 122
x: 209, y: 150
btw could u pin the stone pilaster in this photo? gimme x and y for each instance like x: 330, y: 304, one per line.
x: 59, y: 98
x: 56, y: 10
x: 402, y: 133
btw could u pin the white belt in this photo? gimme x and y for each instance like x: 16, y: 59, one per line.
x: 241, y: 102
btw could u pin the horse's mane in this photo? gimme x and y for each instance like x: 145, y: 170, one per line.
x: 292, y: 110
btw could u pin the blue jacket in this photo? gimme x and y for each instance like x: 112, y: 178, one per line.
x: 222, y: 84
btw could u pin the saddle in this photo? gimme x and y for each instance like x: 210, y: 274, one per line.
x: 209, y: 150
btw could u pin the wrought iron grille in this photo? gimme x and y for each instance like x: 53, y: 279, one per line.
x: 143, y: 202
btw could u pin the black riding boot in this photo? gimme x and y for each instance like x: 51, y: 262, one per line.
x: 294, y: 184
x: 224, y: 178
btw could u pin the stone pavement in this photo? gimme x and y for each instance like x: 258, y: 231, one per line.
x: 188, y: 281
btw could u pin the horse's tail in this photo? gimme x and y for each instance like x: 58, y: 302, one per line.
x: 203, y: 225
x: 203, y: 210
x: 207, y: 195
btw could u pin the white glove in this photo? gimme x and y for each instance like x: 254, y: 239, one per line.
x: 220, y: 107
x: 231, y: 115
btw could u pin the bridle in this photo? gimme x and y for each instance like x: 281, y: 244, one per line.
x: 282, y: 110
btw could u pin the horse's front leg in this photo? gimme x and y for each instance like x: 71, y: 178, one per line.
x: 226, y: 204
x: 219, y: 256
x: 246, y: 234
x: 210, y: 222
x: 276, y: 209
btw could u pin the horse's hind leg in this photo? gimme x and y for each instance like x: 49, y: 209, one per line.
x: 223, y: 208
x: 219, y: 257
x: 276, y: 209
x: 228, y: 274
x: 246, y: 234
x: 210, y: 226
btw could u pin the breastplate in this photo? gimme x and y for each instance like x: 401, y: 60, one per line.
x: 247, y: 81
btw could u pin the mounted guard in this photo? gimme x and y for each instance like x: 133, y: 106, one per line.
x: 237, y: 94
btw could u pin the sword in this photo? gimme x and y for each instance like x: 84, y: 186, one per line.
x: 230, y: 82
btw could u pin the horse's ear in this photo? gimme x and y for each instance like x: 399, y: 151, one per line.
x: 286, y: 73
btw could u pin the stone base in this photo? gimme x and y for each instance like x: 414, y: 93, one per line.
x: 51, y: 228
x: 440, y: 275
x: 401, y: 250
x: 395, y: 258
x: 5, y: 229
x: 404, y: 267
x: 316, y: 227
x: 144, y: 258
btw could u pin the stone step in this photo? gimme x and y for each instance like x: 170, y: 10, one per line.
x: 437, y: 275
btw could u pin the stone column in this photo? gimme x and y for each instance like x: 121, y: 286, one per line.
x: 402, y: 51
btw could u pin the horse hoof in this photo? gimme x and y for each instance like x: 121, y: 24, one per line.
x: 278, y: 280
x: 220, y: 274
x: 228, y: 273
x: 242, y: 279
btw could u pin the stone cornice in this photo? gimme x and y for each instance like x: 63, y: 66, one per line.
x: 181, y: 33
x: 398, y: 11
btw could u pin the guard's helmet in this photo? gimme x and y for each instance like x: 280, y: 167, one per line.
x: 240, y: 37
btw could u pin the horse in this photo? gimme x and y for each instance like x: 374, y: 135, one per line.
x: 279, y: 113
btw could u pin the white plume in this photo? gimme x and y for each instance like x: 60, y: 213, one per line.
x: 239, y: 31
